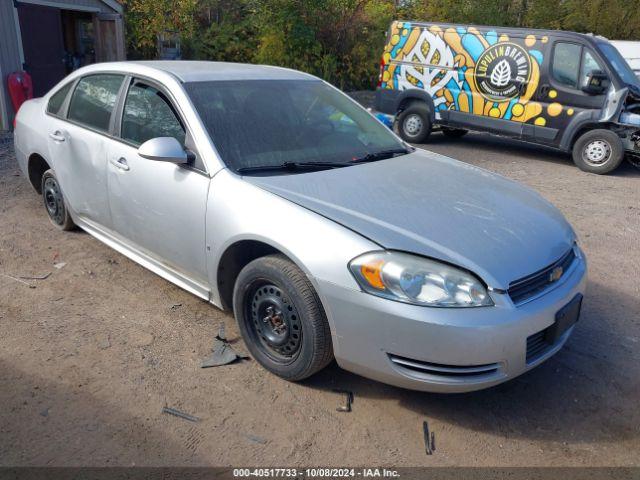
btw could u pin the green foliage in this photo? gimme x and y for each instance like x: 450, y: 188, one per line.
x: 226, y: 32
x: 338, y: 40
x: 342, y: 40
x: 146, y: 19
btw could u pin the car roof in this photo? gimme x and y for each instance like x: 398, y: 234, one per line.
x: 201, y: 71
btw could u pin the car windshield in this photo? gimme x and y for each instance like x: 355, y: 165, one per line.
x: 620, y: 65
x: 271, y: 123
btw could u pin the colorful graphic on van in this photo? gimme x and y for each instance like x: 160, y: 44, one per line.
x: 463, y: 69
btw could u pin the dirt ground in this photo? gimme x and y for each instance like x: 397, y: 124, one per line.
x: 89, y: 357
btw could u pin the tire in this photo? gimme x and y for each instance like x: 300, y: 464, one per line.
x: 281, y: 318
x: 414, y: 123
x: 54, y: 202
x: 454, y: 132
x: 598, y: 151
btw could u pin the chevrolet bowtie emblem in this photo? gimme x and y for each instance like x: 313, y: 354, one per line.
x: 555, y: 274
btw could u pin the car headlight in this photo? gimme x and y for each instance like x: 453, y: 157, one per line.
x: 417, y: 280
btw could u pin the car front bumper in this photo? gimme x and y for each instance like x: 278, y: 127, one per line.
x: 446, y: 349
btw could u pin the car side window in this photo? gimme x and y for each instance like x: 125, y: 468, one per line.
x: 93, y: 100
x: 589, y: 64
x: 57, y: 99
x: 148, y: 114
x: 566, y: 63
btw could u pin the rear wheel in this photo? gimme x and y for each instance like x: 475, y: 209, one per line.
x: 414, y: 123
x: 54, y: 202
x: 281, y: 319
x: 454, y: 132
x: 598, y: 151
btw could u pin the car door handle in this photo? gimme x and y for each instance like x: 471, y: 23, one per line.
x: 121, y: 163
x: 57, y: 136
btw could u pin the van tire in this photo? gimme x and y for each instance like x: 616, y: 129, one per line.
x: 414, y: 123
x: 598, y: 151
x: 454, y: 132
x: 273, y: 292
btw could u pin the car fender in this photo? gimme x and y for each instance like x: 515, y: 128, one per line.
x: 238, y: 210
x: 28, y: 135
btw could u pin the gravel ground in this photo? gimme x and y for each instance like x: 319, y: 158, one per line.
x: 89, y: 357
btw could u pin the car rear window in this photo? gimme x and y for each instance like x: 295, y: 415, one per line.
x: 57, y: 99
x: 93, y: 100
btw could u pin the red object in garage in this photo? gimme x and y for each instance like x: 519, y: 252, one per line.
x: 20, y: 88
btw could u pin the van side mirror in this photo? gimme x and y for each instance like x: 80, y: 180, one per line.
x: 164, y: 149
x: 596, y: 82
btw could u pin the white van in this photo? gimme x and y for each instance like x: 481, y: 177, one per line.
x: 631, y: 53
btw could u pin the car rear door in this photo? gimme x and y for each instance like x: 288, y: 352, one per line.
x: 78, y: 138
x: 157, y: 207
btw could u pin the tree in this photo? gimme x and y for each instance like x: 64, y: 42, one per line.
x: 342, y: 40
x: 146, y: 19
x: 227, y: 31
x: 338, y: 40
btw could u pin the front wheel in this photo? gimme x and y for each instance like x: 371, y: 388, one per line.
x: 281, y: 319
x: 598, y: 151
x: 414, y: 123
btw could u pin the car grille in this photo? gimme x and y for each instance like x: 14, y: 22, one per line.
x: 529, y: 286
x: 537, y: 346
x: 440, y: 370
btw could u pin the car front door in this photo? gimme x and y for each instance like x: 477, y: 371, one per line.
x: 561, y: 95
x: 78, y: 141
x: 158, y: 208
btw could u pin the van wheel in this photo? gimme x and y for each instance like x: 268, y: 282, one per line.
x: 598, y: 151
x: 454, y: 132
x: 281, y: 318
x: 54, y: 202
x: 414, y: 123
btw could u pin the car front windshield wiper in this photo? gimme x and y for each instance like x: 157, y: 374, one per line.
x: 382, y: 155
x: 292, y: 166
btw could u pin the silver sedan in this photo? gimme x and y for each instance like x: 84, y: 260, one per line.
x: 268, y: 192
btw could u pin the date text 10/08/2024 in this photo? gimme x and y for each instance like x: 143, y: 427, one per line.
x: 315, y: 472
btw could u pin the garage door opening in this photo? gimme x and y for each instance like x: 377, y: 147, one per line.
x: 57, y: 41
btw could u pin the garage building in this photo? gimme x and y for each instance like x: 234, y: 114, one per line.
x: 50, y: 38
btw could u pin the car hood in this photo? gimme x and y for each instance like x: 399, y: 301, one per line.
x: 438, y: 207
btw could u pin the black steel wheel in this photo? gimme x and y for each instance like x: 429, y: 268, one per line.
x: 281, y: 318
x: 275, y: 321
x: 54, y: 202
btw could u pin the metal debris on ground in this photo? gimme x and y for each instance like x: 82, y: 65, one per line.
x: 60, y: 265
x: 36, y: 277
x: 30, y: 285
x: 429, y: 439
x: 176, y: 306
x: 221, y: 353
x: 178, y: 413
x: 349, y: 400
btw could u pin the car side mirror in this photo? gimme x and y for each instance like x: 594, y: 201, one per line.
x: 596, y: 82
x: 164, y: 149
